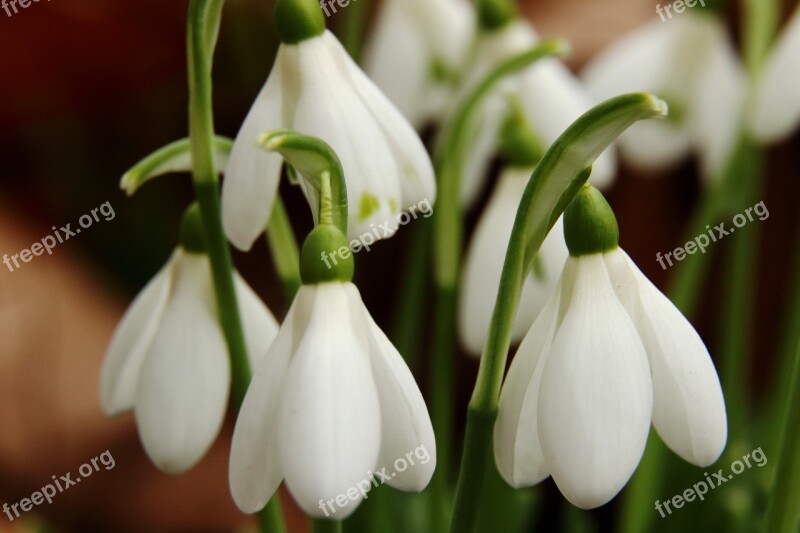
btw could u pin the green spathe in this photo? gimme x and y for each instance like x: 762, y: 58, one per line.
x: 590, y: 226
x: 298, y: 20
x: 326, y: 256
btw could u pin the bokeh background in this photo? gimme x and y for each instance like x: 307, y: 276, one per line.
x: 88, y: 88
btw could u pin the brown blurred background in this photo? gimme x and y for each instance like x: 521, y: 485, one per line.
x: 88, y: 88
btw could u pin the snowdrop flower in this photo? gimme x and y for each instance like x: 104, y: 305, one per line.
x: 331, y: 403
x: 316, y: 89
x: 776, y: 112
x: 690, y: 62
x: 168, y: 360
x: 608, y: 354
x: 416, y: 50
x: 484, y: 264
x: 551, y: 96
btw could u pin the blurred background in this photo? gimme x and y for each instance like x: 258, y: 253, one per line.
x: 88, y: 88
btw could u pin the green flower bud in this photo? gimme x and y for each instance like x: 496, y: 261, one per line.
x: 519, y: 144
x: 298, y: 20
x: 326, y: 256
x: 193, y: 238
x: 590, y: 226
x: 494, y: 14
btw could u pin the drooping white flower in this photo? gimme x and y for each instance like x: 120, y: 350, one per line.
x: 692, y: 63
x: 316, y: 89
x: 484, y: 264
x: 608, y: 354
x: 776, y: 112
x: 169, y: 363
x: 415, y: 47
x: 551, y: 97
x: 330, y: 403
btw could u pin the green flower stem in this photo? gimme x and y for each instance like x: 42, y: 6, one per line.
x: 203, y: 15
x: 203, y: 26
x: 783, y: 512
x: 447, y: 242
x: 410, y: 296
x: 283, y: 248
x: 555, y: 181
x: 760, y: 19
x: 353, y: 38
x: 322, y: 525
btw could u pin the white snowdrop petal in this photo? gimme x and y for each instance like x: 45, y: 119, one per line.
x: 414, y: 167
x: 718, y: 100
x: 628, y: 65
x: 776, y: 112
x: 408, y: 446
x: 260, y: 327
x: 398, y: 61
x: 330, y: 107
x: 183, y: 389
x: 122, y: 365
x: 516, y: 439
x: 329, y: 424
x: 254, y: 470
x: 252, y: 174
x: 596, y: 395
x: 553, y: 99
x: 688, y: 405
x: 484, y: 263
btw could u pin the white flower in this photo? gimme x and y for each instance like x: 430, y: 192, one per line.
x: 484, y: 264
x: 691, y: 63
x: 551, y: 96
x: 776, y: 112
x: 316, y: 89
x: 579, y: 396
x: 168, y: 360
x: 331, y: 402
x: 413, y: 42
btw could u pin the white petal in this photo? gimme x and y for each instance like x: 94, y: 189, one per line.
x: 252, y: 174
x: 329, y: 423
x: 255, y: 471
x: 777, y: 108
x: 414, y: 167
x: 260, y: 327
x: 553, y: 99
x: 183, y: 389
x: 408, y: 447
x: 329, y: 108
x: 688, y: 407
x: 123, y: 362
x: 652, y: 58
x: 720, y: 94
x: 516, y: 440
x: 484, y: 264
x: 482, y: 136
x: 398, y: 61
x: 596, y: 396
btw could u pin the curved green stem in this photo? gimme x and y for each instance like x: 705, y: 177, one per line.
x: 554, y: 183
x: 447, y: 244
x: 203, y: 26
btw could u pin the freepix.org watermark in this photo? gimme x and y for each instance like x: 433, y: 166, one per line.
x: 329, y: 6
x: 375, y: 479
x: 59, y: 236
x: 9, y: 5
x: 365, y: 240
x: 702, y: 241
x: 701, y: 488
x: 679, y: 6
x: 49, y: 491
